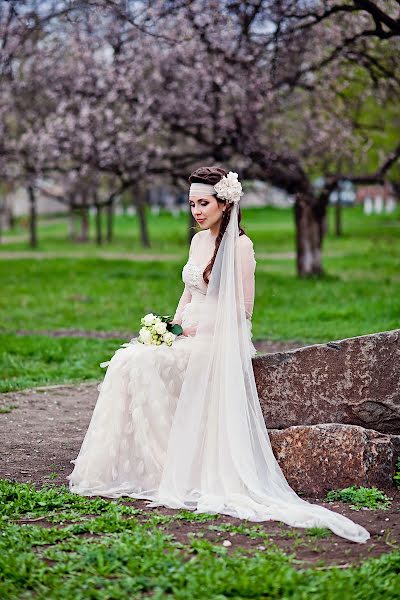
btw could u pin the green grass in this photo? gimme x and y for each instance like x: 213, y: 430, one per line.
x: 396, y: 476
x: 359, y: 497
x: 360, y: 293
x: 7, y: 409
x: 102, y: 549
x: 113, y: 295
x: 33, y: 361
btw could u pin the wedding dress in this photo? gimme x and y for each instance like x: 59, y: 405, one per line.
x: 124, y: 448
x: 182, y: 426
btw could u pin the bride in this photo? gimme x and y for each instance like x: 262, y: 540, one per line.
x: 181, y: 425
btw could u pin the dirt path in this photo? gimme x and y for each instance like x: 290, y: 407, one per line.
x: 45, y: 430
x: 48, y: 254
x: 42, y: 255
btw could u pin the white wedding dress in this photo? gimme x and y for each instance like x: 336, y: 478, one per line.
x: 153, y: 437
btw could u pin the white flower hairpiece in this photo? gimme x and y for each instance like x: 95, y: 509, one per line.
x: 229, y: 188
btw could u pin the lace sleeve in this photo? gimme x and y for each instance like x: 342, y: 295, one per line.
x: 186, y: 295
x: 184, y: 299
x: 248, y: 264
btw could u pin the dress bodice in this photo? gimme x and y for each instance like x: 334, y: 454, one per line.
x: 192, y: 277
x: 201, y: 251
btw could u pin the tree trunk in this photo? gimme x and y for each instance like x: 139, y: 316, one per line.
x: 99, y: 237
x: 338, y: 215
x: 141, y: 211
x: 310, y: 227
x: 110, y: 221
x: 32, y: 217
x: 72, y: 224
x: 71, y: 229
x: 84, y: 237
x: 12, y: 221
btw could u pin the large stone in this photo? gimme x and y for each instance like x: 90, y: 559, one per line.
x: 318, y: 458
x: 354, y: 381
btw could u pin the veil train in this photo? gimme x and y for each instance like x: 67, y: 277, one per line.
x: 219, y: 457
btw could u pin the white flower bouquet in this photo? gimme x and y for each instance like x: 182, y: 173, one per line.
x: 158, y: 330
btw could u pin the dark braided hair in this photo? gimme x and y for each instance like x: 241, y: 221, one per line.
x: 212, y: 175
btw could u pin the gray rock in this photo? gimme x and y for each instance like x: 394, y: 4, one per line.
x: 354, y: 381
x: 318, y: 458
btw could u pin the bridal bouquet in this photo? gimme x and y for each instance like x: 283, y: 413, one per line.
x: 157, y: 330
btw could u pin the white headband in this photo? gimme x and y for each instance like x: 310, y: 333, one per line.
x: 198, y: 189
x: 228, y: 188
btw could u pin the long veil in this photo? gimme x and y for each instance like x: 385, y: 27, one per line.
x: 219, y: 457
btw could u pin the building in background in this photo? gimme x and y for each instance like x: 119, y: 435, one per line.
x: 376, y: 198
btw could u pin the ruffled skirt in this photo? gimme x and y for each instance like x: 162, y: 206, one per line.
x: 125, y: 445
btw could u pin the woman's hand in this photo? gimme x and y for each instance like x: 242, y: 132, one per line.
x: 191, y: 330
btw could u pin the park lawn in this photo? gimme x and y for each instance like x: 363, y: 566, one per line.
x: 34, y: 361
x: 68, y: 546
x: 96, y: 295
x: 360, y: 294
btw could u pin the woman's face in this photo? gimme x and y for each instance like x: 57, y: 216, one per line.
x: 206, y: 210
